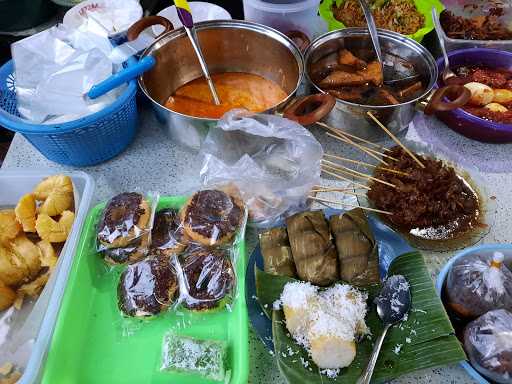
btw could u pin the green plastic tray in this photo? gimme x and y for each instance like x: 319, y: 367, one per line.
x: 93, y: 344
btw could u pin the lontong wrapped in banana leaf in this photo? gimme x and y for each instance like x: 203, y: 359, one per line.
x: 357, y: 249
x: 277, y: 254
x: 312, y: 249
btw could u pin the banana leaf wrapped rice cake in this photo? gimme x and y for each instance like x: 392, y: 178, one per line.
x: 277, y: 253
x: 313, y: 252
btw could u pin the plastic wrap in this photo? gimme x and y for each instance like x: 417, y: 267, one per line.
x: 167, y: 235
x: 207, y: 279
x: 477, y: 284
x: 273, y: 161
x: 125, y: 226
x: 148, y: 287
x: 488, y: 344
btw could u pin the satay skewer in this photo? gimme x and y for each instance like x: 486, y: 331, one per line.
x: 358, y: 146
x: 365, y: 164
x: 353, y: 136
x: 338, y: 190
x: 346, y: 179
x: 395, y: 139
x: 322, y: 200
x: 352, y: 172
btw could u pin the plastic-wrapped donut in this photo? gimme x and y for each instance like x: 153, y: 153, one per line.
x: 125, y: 218
x: 212, y: 217
x: 167, y: 235
x: 148, y: 287
x: 209, y: 278
x: 130, y: 254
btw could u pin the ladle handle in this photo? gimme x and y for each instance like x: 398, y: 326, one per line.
x: 368, y: 372
x: 310, y: 109
x: 459, y: 94
x: 146, y: 22
x: 372, y: 28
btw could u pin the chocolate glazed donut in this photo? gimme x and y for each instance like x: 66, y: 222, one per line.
x: 167, y: 235
x: 148, y: 287
x: 124, y: 215
x: 212, y: 217
x: 209, y: 278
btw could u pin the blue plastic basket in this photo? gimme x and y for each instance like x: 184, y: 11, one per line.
x: 86, y: 141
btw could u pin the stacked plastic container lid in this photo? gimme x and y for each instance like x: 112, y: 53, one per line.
x: 25, y: 335
x: 286, y: 15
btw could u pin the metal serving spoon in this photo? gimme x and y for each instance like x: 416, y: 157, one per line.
x: 393, y: 303
x: 447, y: 72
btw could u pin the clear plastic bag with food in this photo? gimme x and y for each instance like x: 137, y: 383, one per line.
x: 168, y: 235
x: 213, y: 217
x: 148, y: 287
x: 126, y: 220
x: 207, y: 278
x: 488, y: 344
x: 478, y: 283
x: 273, y: 161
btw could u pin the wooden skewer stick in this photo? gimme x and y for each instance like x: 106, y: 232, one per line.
x: 346, y: 179
x: 358, y: 146
x: 340, y: 190
x: 348, y: 188
x: 351, y: 172
x: 353, y: 136
x: 395, y: 139
x: 349, y: 205
x: 365, y: 164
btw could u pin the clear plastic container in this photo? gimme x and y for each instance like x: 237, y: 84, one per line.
x: 25, y: 335
x: 287, y: 15
x: 454, y: 44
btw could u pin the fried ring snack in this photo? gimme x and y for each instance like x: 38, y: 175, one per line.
x: 26, y: 212
x: 7, y: 296
x: 48, y: 255
x: 13, y: 271
x: 56, y: 192
x: 9, y: 226
x: 28, y: 253
x: 55, y: 231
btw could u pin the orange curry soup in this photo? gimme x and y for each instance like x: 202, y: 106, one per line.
x: 235, y: 90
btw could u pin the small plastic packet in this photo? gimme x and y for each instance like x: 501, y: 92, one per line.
x: 477, y: 284
x: 488, y: 344
x: 273, y: 161
x: 213, y: 217
x: 167, y: 235
x: 130, y: 254
x: 184, y: 354
x: 148, y: 287
x: 207, y: 278
x: 127, y: 217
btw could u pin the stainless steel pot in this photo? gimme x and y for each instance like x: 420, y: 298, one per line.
x: 228, y: 46
x: 353, y: 118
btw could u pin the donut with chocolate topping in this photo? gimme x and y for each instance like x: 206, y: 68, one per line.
x: 148, y: 287
x: 212, y: 217
x: 208, y: 276
x: 124, y: 217
x: 130, y: 254
x: 167, y: 235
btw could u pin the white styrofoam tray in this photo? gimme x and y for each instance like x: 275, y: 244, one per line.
x: 25, y: 335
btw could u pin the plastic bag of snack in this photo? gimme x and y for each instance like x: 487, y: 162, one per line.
x: 148, y: 287
x: 488, y: 344
x: 207, y: 278
x: 126, y: 225
x: 168, y: 235
x: 273, y: 161
x: 213, y: 217
x: 478, y: 283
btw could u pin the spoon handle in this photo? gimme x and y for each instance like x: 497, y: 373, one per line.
x: 372, y: 29
x: 368, y: 372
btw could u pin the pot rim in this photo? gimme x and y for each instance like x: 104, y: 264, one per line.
x: 348, y: 32
x: 215, y: 24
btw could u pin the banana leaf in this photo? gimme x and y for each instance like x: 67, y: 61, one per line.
x: 276, y: 252
x: 426, y: 339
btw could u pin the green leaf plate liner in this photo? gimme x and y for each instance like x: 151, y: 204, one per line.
x: 426, y: 339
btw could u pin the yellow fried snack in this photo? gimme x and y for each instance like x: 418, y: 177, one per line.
x: 48, y: 255
x: 56, y: 203
x: 13, y: 271
x: 9, y: 226
x: 56, y: 183
x: 26, y: 212
x: 32, y: 289
x: 28, y: 253
x: 12, y: 378
x: 7, y: 296
x: 55, y: 231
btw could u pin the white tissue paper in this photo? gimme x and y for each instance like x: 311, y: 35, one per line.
x: 54, y: 70
x: 113, y: 16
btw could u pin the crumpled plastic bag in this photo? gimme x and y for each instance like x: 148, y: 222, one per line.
x: 488, y: 344
x: 55, y: 68
x: 273, y: 161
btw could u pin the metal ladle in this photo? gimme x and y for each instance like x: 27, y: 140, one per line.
x: 447, y: 72
x: 185, y: 16
x: 393, y: 303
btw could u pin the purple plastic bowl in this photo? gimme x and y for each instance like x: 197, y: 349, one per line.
x: 463, y: 122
